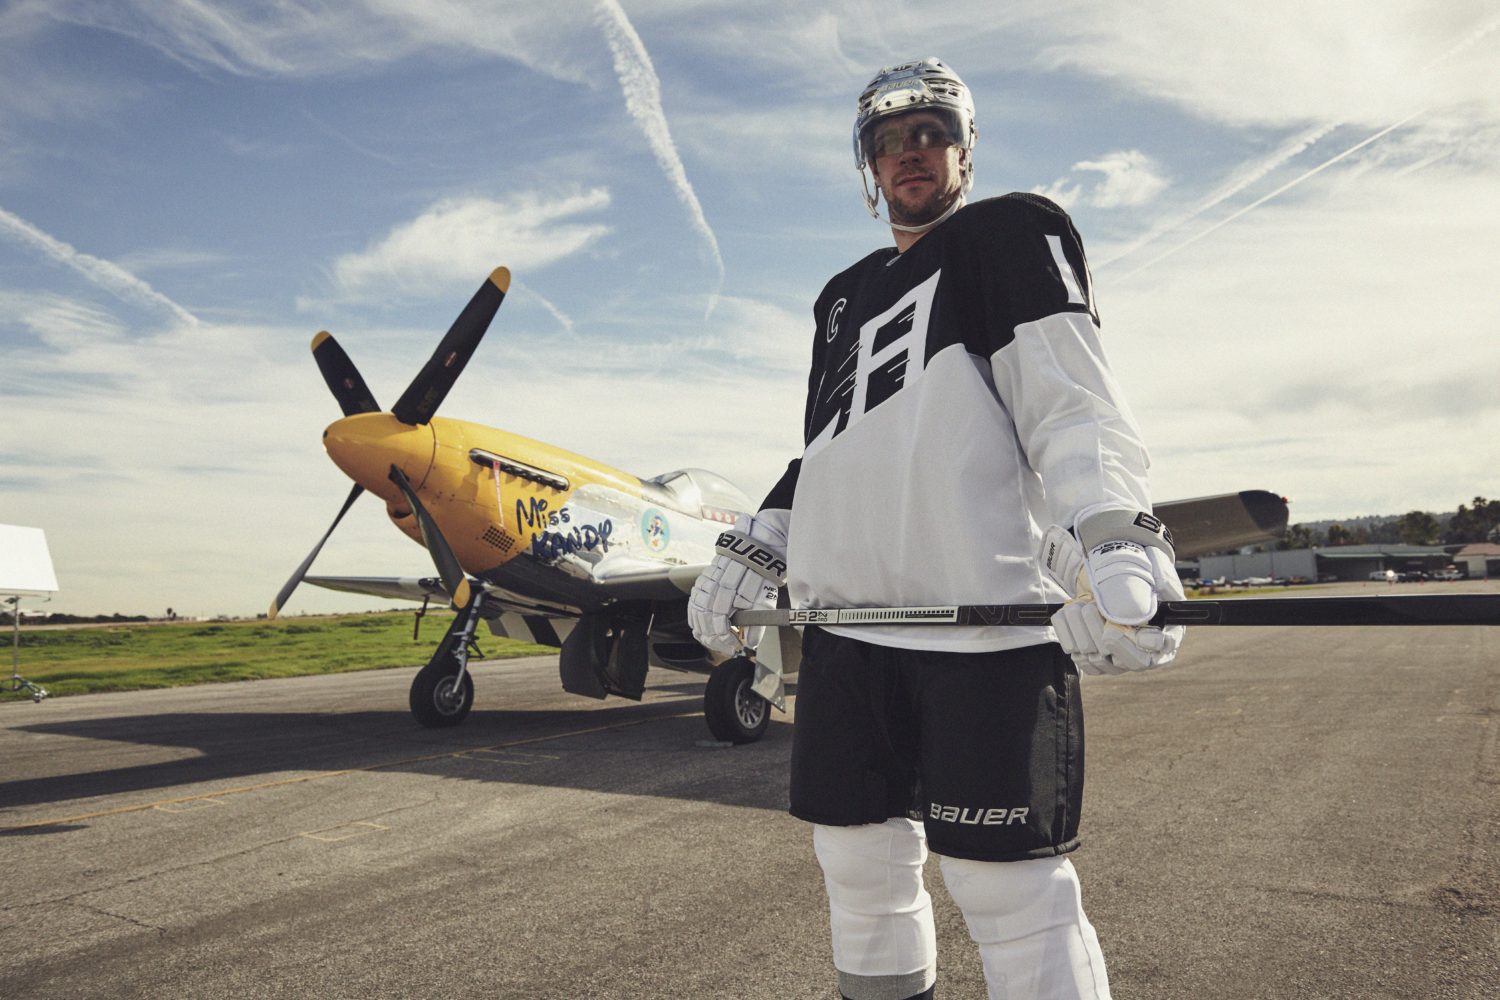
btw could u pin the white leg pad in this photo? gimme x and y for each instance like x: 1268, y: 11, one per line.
x: 1027, y: 918
x: 884, y: 940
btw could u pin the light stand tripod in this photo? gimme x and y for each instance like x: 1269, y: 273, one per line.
x: 17, y: 682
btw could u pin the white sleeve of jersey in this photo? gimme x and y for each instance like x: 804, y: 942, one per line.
x: 1070, y: 416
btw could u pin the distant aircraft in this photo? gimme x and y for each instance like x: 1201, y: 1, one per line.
x: 549, y: 546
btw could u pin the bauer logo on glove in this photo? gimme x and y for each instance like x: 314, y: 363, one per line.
x: 744, y: 549
x: 747, y: 573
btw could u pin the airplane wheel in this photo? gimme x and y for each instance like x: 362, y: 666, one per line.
x: 437, y: 701
x: 734, y: 713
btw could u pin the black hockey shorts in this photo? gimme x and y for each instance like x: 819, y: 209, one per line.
x: 985, y: 748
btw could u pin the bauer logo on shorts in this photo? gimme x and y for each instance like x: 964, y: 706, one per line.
x: 977, y: 815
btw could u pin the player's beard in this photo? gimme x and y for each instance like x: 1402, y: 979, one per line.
x: 920, y: 213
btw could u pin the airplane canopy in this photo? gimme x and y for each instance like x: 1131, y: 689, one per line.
x: 691, y: 490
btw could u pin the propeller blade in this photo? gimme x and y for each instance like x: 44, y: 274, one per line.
x: 342, y: 377
x: 301, y: 571
x: 420, y: 400
x: 454, y: 580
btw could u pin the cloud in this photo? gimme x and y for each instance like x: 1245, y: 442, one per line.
x: 1284, y: 61
x: 458, y: 239
x: 309, y: 38
x: 1336, y: 343
x: 1457, y: 397
x: 745, y: 143
x: 100, y: 273
x: 642, y: 89
x: 170, y: 258
x: 1130, y: 178
x: 59, y: 322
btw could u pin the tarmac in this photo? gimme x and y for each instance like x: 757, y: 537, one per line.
x: 1283, y: 813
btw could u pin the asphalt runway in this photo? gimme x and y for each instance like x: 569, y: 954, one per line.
x: 1284, y: 813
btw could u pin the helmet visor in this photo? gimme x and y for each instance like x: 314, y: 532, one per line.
x: 919, y: 128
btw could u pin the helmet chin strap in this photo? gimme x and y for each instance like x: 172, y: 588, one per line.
x: 953, y: 206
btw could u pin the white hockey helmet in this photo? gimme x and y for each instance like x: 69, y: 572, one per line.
x: 924, y: 85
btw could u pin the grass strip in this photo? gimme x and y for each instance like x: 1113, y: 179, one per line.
x: 135, y: 657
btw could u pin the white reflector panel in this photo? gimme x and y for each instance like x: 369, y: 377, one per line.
x: 25, y: 564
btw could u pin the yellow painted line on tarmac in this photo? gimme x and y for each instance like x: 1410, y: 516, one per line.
x: 165, y: 804
x: 346, y: 831
x: 503, y: 756
x: 189, y: 806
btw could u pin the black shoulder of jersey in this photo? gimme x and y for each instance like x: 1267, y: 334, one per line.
x: 873, y: 258
x: 1018, y: 206
x: 1029, y: 258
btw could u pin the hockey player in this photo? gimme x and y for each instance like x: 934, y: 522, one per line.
x: 959, y: 401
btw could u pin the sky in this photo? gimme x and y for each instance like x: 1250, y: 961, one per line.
x: 1291, y: 211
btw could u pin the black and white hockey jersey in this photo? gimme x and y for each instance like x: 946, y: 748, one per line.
x: 959, y: 402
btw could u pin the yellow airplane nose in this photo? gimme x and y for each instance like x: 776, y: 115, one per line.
x: 366, y: 445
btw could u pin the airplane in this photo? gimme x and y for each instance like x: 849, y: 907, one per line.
x: 549, y: 546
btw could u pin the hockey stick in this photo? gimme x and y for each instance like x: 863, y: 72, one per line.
x: 1418, y: 609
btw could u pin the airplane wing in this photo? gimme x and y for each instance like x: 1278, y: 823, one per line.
x: 411, y: 588
x: 1226, y: 521
x: 511, y: 619
x: 401, y: 588
x: 629, y: 577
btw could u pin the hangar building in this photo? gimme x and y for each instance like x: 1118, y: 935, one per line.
x: 1340, y: 562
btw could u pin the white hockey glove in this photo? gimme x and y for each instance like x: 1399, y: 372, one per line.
x: 747, y: 572
x: 1115, y: 571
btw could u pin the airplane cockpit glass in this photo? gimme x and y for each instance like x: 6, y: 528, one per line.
x: 695, y: 491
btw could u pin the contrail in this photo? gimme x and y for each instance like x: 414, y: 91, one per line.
x: 642, y: 90
x: 111, y: 277
x: 1281, y: 190
x: 563, y: 319
x: 1237, y: 184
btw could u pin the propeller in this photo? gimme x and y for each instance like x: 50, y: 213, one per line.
x: 454, y: 580
x: 420, y: 400
x: 343, y: 378
x: 416, y: 406
x: 291, y: 585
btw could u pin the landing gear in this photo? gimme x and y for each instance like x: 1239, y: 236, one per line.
x: 443, y: 692
x: 734, y: 712
x: 606, y: 655
x: 439, y: 697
